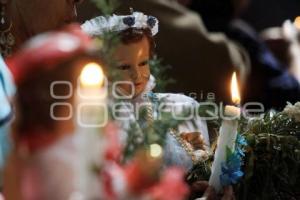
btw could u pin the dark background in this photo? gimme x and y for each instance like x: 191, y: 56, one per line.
x: 260, y: 14
x: 268, y: 13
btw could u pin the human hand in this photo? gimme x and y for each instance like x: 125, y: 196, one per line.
x: 199, y: 186
x: 228, y: 193
x: 210, y: 194
x: 290, y: 32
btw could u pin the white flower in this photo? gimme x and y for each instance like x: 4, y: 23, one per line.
x: 99, y: 25
x: 140, y: 20
x: 293, y: 111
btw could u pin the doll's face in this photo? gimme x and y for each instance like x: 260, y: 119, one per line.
x: 133, y: 64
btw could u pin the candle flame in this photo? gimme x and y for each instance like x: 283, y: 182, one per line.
x: 155, y: 150
x: 297, y: 22
x: 235, y: 94
x: 92, y: 75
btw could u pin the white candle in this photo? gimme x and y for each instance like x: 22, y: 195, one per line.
x: 91, y: 102
x: 227, y: 137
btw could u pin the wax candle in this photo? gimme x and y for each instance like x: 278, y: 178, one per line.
x: 91, y: 117
x: 227, y: 136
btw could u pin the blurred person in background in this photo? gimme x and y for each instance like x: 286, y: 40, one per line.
x: 269, y: 83
x: 284, y: 42
x: 21, y: 20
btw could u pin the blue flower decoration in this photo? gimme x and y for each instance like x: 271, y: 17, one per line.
x: 129, y: 21
x: 153, y: 97
x: 240, y: 144
x: 240, y: 151
x: 231, y: 170
x: 241, y: 140
x: 151, y: 21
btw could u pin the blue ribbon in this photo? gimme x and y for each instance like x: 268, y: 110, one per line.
x: 231, y: 169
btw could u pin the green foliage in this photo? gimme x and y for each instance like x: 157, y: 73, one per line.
x: 272, y: 163
x: 275, y: 123
x: 159, y: 71
x: 110, y: 40
x: 153, y: 132
x: 200, y: 171
x: 107, y: 7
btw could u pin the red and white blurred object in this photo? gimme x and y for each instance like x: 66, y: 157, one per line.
x: 42, y: 160
x: 171, y: 181
x: 140, y: 178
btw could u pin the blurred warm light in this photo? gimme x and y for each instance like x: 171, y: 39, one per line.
x: 235, y: 94
x: 155, y: 150
x: 297, y: 22
x: 92, y: 75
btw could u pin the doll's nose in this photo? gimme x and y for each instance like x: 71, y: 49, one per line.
x: 135, y: 74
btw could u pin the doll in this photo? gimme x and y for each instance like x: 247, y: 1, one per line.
x: 190, y: 142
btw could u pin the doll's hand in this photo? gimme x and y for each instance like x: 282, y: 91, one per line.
x: 290, y: 32
x: 195, y: 139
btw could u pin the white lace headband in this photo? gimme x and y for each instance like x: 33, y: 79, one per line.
x: 117, y: 23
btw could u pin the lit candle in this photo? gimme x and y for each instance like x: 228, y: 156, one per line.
x: 297, y: 22
x: 227, y: 136
x: 155, y: 150
x: 91, y: 117
x: 91, y: 97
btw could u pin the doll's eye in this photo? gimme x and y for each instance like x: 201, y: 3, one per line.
x: 124, y: 67
x: 144, y: 63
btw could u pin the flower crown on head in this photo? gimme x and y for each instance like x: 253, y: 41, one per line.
x: 117, y: 23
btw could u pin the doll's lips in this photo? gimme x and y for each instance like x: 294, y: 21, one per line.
x: 138, y: 84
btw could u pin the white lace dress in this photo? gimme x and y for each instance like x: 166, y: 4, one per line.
x: 174, y: 153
